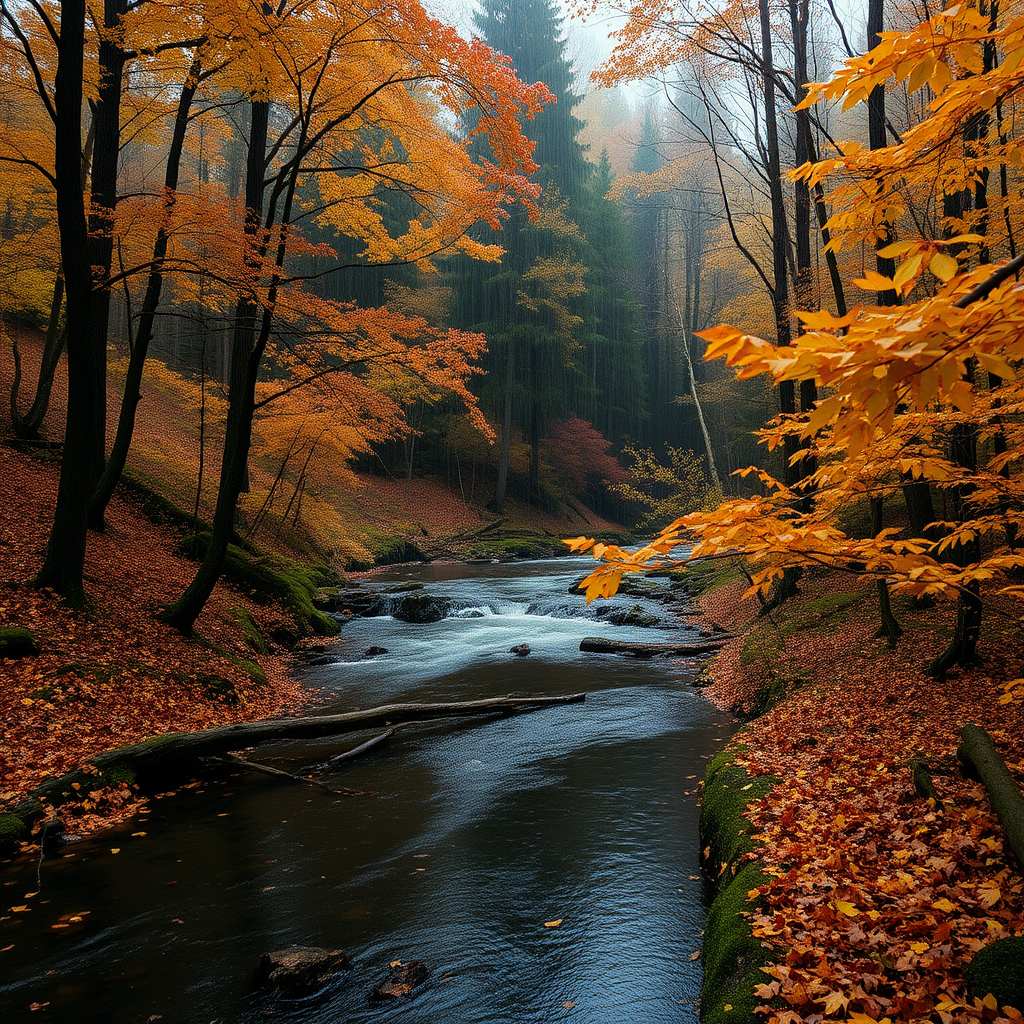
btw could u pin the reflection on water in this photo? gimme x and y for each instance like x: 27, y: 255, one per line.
x: 469, y: 839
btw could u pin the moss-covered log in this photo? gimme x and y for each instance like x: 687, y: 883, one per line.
x: 160, y: 755
x: 599, y: 645
x: 979, y: 753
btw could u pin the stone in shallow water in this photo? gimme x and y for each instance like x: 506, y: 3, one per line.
x: 520, y: 650
x: 400, y: 982
x: 299, y: 971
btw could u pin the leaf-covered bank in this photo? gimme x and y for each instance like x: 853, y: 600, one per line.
x: 873, y: 900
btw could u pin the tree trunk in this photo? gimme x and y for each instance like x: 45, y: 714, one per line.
x: 978, y: 752
x: 599, y: 645
x: 27, y: 426
x: 65, y: 552
x: 501, y: 486
x: 245, y: 361
x: 136, y: 363
x: 158, y: 754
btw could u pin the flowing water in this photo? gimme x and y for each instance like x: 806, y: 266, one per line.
x: 469, y: 838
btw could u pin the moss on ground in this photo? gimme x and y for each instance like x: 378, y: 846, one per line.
x: 269, y: 577
x: 732, y: 956
x: 250, y: 630
x: 12, y: 831
x: 704, y: 575
x: 17, y: 642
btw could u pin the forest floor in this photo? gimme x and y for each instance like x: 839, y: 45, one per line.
x: 877, y: 899
x: 115, y: 674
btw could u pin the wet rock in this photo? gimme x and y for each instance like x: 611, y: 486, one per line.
x: 299, y: 971
x: 636, y: 616
x: 404, y: 588
x: 520, y: 650
x: 420, y: 608
x: 323, y: 659
x: 372, y: 652
x: 400, y: 982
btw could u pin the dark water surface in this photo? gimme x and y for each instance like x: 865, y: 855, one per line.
x: 470, y: 839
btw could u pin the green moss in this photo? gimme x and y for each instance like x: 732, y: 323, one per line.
x: 217, y: 689
x: 724, y: 831
x: 998, y: 969
x: 12, y: 831
x: 117, y: 774
x: 17, y: 642
x: 767, y: 697
x: 250, y: 630
x: 274, y: 577
x: 732, y: 956
x: 704, y: 575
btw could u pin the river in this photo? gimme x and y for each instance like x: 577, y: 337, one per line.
x: 469, y: 838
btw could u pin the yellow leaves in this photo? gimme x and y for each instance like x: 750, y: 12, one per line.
x: 553, y: 924
x: 846, y: 908
x: 944, y: 905
x: 872, y: 281
x: 1013, y: 692
x: 944, y: 267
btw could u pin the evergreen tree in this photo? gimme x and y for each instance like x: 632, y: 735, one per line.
x: 530, y: 305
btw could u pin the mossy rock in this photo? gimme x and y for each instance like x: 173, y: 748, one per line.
x: 217, y: 689
x: 12, y: 831
x: 767, y: 697
x: 274, y: 577
x: 17, y: 642
x: 733, y: 958
x: 250, y: 630
x: 998, y: 970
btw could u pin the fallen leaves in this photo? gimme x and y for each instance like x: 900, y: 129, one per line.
x: 553, y: 924
x: 876, y: 901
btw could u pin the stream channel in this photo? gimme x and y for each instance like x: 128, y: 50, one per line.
x: 470, y: 838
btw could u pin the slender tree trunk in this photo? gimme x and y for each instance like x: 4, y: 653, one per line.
x: 27, y: 425
x: 136, y: 363
x: 65, y: 552
x: 506, y: 434
x: 245, y: 357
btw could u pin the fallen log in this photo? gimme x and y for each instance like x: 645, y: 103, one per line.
x: 162, y: 753
x: 978, y: 752
x: 599, y: 645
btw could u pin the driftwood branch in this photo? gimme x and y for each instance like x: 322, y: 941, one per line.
x: 598, y: 645
x: 266, y: 769
x: 350, y: 755
x: 158, y: 754
x: 978, y: 753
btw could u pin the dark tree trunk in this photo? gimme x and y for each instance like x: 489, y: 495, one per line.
x: 889, y: 629
x: 245, y: 360
x: 136, y: 363
x: 27, y: 425
x: 501, y: 487
x: 65, y: 552
x: 106, y: 150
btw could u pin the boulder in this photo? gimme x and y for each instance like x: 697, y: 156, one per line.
x: 17, y: 642
x: 400, y: 982
x: 636, y: 616
x: 520, y: 650
x: 420, y: 608
x: 998, y: 969
x: 372, y: 652
x: 299, y: 971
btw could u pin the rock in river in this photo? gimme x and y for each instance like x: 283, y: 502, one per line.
x: 420, y: 608
x: 401, y: 980
x: 520, y: 650
x: 372, y: 652
x: 299, y: 971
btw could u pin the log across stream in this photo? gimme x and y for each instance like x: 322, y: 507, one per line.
x: 466, y: 841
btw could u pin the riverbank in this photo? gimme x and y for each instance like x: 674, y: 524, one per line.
x: 866, y: 901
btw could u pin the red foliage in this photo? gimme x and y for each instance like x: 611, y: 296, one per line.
x: 578, y: 452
